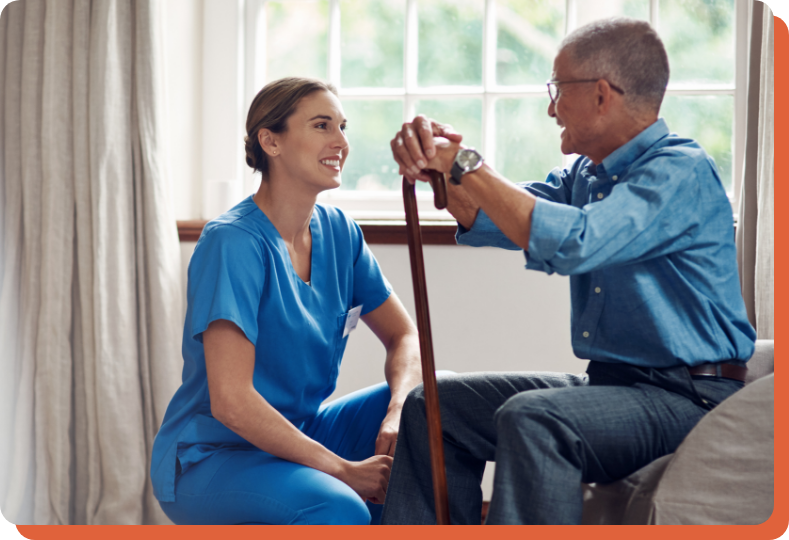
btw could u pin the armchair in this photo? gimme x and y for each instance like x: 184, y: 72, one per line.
x: 722, y: 473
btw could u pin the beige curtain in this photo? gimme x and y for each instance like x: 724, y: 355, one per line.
x: 755, y: 231
x: 91, y: 292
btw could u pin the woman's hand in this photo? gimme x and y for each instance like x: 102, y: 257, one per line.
x: 387, y: 435
x: 368, y: 478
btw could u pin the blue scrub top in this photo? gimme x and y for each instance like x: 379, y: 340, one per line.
x: 241, y: 271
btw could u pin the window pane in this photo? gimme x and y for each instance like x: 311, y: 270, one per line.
x: 450, y: 42
x: 699, y: 38
x: 638, y: 9
x: 296, y: 38
x: 371, y: 125
x: 528, y: 37
x: 527, y: 139
x: 372, y: 42
x: 465, y: 116
x: 708, y: 119
x: 587, y: 12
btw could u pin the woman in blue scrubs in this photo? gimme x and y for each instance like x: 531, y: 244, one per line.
x: 275, y: 285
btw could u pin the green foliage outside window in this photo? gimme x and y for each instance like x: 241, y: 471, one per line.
x: 698, y: 34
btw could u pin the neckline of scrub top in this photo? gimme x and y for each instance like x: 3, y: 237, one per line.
x: 317, y: 245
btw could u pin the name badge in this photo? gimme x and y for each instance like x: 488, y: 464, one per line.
x: 352, y: 320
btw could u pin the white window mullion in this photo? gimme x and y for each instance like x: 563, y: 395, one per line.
x: 489, y: 45
x: 259, y: 55
x: 410, y: 59
x: 489, y: 129
x: 570, y: 20
x: 334, y: 42
x: 254, y: 69
x: 654, y: 14
x: 742, y: 13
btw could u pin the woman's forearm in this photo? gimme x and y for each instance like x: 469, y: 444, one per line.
x: 230, y: 362
x: 249, y: 415
x: 403, y: 370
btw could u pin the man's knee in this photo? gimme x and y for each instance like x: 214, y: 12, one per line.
x: 532, y: 408
x: 415, y: 400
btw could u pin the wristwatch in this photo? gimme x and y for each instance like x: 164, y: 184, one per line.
x: 466, y: 160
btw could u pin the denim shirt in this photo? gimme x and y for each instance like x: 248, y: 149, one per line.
x: 647, y: 239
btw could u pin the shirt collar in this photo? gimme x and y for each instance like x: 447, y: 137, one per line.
x: 625, y: 155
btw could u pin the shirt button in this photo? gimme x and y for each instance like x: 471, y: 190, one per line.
x: 598, y: 290
x: 615, y: 178
x: 600, y: 195
x: 586, y: 334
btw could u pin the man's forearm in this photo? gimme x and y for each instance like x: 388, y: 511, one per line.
x: 508, y: 206
x: 462, y: 207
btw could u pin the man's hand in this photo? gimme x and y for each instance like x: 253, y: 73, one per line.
x: 445, y: 152
x: 413, y: 146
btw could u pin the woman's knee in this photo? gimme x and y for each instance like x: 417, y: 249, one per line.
x: 341, y: 509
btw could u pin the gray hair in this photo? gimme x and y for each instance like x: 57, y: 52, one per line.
x: 626, y: 52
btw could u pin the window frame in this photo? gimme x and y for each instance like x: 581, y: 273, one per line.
x: 371, y: 206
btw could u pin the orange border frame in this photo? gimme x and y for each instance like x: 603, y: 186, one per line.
x: 772, y: 528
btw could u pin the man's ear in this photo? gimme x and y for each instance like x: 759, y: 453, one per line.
x: 604, y: 96
x: 269, y: 142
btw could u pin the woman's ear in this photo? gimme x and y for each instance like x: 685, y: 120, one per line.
x: 268, y: 142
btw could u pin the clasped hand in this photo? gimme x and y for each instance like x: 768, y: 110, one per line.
x: 425, y: 144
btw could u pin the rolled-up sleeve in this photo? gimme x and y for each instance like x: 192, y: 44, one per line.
x: 556, y: 187
x: 652, y: 214
x: 484, y: 233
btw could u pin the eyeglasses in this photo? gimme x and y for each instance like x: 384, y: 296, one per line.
x: 554, y: 92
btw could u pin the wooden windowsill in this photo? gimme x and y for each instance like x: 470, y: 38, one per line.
x: 436, y: 233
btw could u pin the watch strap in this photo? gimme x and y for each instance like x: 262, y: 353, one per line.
x: 456, y: 173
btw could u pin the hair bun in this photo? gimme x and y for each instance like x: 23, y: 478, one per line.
x: 249, y: 149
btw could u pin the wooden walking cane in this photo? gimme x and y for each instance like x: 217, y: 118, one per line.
x: 425, y: 339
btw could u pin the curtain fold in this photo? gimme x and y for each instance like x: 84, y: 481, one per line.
x: 765, y: 229
x: 93, y: 251
x: 12, y: 21
x: 53, y: 342
x: 755, y: 230
x: 159, y: 262
x: 87, y: 461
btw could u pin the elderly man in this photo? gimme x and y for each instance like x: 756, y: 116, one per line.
x: 643, y: 227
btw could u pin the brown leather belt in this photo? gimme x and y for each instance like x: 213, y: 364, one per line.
x: 720, y: 369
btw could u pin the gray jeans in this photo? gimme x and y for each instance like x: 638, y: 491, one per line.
x: 547, y: 433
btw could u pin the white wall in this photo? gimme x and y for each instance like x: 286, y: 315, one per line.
x: 183, y: 23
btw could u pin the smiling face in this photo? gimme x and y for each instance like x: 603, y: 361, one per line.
x: 575, y: 108
x: 314, y: 147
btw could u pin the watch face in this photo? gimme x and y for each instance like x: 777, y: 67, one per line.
x: 468, y: 159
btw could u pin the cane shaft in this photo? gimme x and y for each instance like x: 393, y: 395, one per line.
x: 426, y: 348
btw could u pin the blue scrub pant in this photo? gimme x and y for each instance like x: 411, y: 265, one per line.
x: 244, y: 485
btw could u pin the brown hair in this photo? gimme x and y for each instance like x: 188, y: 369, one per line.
x: 271, y: 108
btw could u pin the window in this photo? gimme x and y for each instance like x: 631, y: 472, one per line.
x: 481, y: 65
